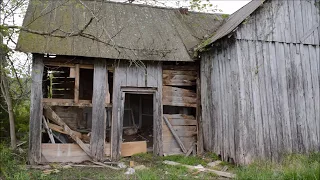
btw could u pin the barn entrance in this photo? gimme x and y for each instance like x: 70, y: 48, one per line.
x: 138, y: 119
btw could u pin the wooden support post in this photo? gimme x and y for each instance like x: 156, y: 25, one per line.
x: 76, y: 83
x: 98, y: 131
x: 48, y: 130
x: 198, y: 117
x: 36, y: 110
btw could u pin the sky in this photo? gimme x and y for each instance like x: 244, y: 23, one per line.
x: 226, y: 6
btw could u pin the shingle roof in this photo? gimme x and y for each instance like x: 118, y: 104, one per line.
x: 113, y: 30
x: 232, y: 23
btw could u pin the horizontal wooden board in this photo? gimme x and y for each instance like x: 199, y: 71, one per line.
x: 131, y: 148
x: 59, y: 80
x: 183, y: 139
x: 181, y: 67
x: 63, y: 85
x: 178, y: 72
x: 176, y: 91
x: 179, y: 116
x: 73, y: 153
x: 182, y: 122
x: 166, y: 103
x: 180, y: 99
x: 180, y: 133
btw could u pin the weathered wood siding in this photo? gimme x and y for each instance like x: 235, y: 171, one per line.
x: 290, y: 21
x: 126, y: 75
x: 262, y: 99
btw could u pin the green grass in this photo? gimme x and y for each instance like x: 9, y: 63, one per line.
x: 295, y: 167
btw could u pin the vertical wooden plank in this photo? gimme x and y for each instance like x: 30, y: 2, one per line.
x: 108, y: 100
x: 255, y: 70
x: 34, y: 153
x: 289, y: 50
x: 220, y: 129
x: 309, y: 99
x: 98, y: 131
x: 316, y: 91
x: 235, y: 138
x: 198, y: 116
x: 300, y: 107
x: 252, y: 148
x: 270, y: 103
x: 292, y: 21
x: 262, y: 75
x: 298, y: 19
x: 276, y: 95
x: 158, y: 113
x: 242, y: 115
x: 76, y: 83
x: 283, y: 96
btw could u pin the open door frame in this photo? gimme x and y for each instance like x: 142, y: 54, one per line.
x: 157, y: 117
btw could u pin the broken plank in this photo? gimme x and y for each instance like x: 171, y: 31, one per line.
x: 182, y: 122
x: 49, y: 113
x: 174, y: 134
x: 178, y: 72
x: 60, y: 130
x: 180, y: 116
x: 48, y: 130
x: 166, y: 103
x: 176, y: 91
x: 180, y: 99
x: 219, y: 173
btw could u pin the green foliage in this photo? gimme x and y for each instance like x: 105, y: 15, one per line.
x: 296, y: 167
x: 190, y: 160
x: 10, y: 164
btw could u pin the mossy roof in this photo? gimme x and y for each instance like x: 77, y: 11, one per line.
x: 115, y: 31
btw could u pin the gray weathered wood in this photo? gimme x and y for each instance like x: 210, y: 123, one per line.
x: 98, y: 131
x: 34, y: 153
x: 174, y: 134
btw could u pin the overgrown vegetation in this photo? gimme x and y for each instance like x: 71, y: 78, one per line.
x: 295, y: 166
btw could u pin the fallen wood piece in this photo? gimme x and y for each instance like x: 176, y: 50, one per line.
x: 215, y: 163
x: 219, y: 173
x: 55, y: 118
x: 104, y: 165
x: 60, y: 130
x: 48, y: 130
x: 38, y: 167
x: 184, y: 150
x: 22, y: 143
x: 90, y: 166
x: 190, y: 150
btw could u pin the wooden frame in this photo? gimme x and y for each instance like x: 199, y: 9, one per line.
x: 157, y: 120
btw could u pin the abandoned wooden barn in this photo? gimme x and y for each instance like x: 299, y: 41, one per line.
x: 114, y: 79
x: 260, y: 78
x: 106, y: 74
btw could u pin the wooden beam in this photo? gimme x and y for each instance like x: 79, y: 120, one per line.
x: 36, y: 110
x: 76, y: 83
x: 49, y: 113
x: 61, y: 130
x: 48, y: 130
x: 175, y: 135
x: 200, y: 149
x: 98, y: 130
x: 219, y: 173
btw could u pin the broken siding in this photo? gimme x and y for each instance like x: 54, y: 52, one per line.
x: 265, y: 100
x: 287, y: 21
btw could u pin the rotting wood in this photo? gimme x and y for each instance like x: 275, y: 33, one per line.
x: 104, y: 165
x: 76, y: 83
x: 190, y: 150
x: 48, y: 130
x: 174, y: 134
x: 34, y: 154
x: 219, y: 173
x: 61, y: 130
x: 50, y: 114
